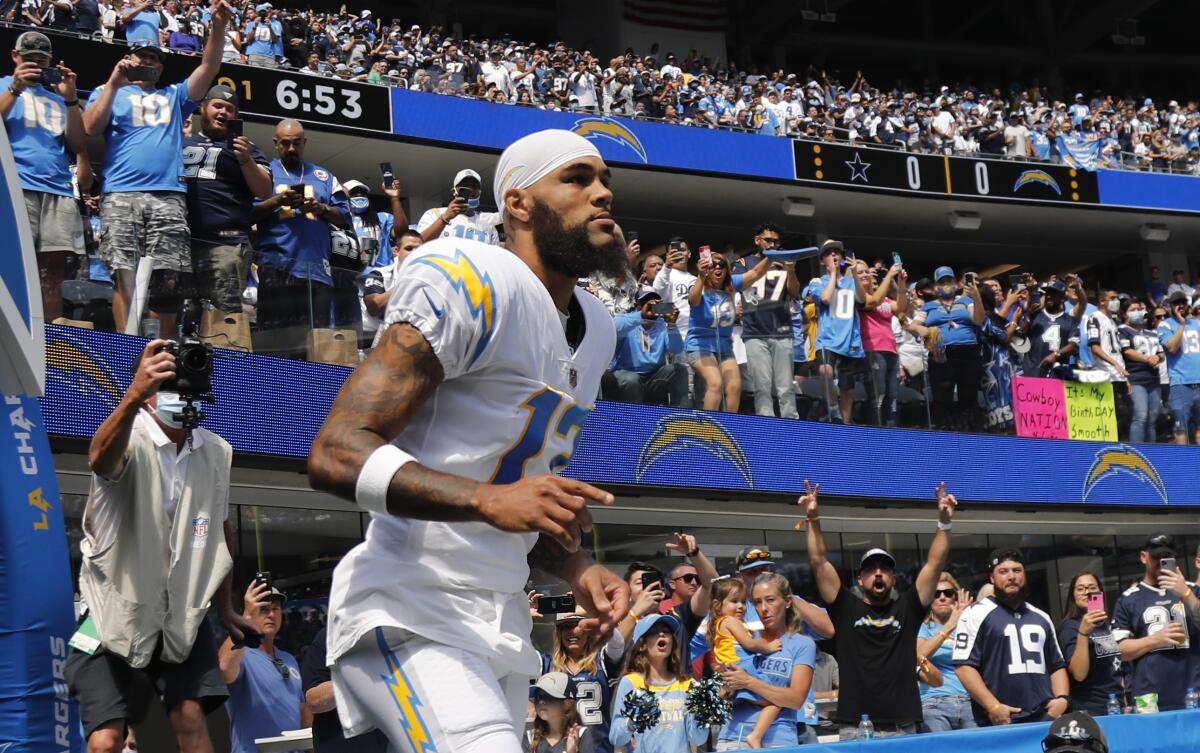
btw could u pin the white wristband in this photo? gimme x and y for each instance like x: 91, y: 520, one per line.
x: 945, y: 526
x: 376, y: 476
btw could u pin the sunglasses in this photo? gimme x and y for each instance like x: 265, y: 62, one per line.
x: 284, y: 671
x: 720, y: 265
x: 756, y: 555
x: 949, y: 593
x: 688, y: 578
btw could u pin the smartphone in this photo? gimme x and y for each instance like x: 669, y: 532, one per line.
x: 234, y: 127
x: 300, y: 188
x: 706, y: 254
x: 1095, y: 603
x: 263, y: 576
x: 1016, y: 282
x: 140, y: 73
x: 969, y: 278
x: 675, y: 246
x: 896, y: 261
x: 556, y: 604
x: 461, y: 192
x: 51, y: 76
x: 631, y: 236
x: 649, y: 579
x: 385, y: 169
x: 1167, y: 563
x: 663, y: 308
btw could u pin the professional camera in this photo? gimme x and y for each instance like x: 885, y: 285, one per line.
x: 193, y: 366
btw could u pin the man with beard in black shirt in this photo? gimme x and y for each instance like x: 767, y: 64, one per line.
x: 876, y: 634
x: 224, y: 175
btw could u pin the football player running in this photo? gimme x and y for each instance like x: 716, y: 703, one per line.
x: 450, y: 434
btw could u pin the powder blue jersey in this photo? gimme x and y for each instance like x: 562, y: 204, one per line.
x: 1015, y: 651
x: 259, y: 34
x: 289, y: 241
x: 36, y: 125
x: 1143, y: 610
x: 837, y: 327
x: 944, y: 661
x: 711, y: 326
x: 1184, y: 364
x: 144, y: 138
x: 675, y: 729
x: 774, y: 669
x: 954, y: 321
x: 143, y: 27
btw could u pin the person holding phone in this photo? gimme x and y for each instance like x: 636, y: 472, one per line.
x: 1092, y: 653
x: 673, y: 282
x: 591, y: 662
x: 461, y: 218
x: 1179, y: 335
x: 1151, y: 623
x: 952, y: 323
x: 45, y: 129
x: 144, y: 207
x: 641, y: 366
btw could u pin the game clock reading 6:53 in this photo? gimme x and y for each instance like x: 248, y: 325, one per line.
x: 310, y: 98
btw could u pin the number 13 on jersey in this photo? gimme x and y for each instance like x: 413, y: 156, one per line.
x: 548, y: 410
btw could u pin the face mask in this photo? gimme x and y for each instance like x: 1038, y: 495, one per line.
x: 360, y: 204
x: 947, y: 291
x: 1137, y: 317
x: 473, y: 203
x: 169, y: 404
x: 1114, y: 305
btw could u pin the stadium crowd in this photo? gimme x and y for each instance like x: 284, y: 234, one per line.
x: 697, y: 90
x: 292, y: 261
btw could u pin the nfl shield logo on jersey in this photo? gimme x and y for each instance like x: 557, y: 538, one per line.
x: 199, y: 531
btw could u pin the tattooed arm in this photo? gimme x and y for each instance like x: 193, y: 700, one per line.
x: 375, y: 404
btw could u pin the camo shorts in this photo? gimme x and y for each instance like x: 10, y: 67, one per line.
x: 145, y: 223
x: 221, y: 270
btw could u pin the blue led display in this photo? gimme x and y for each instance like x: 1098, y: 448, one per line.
x: 274, y: 406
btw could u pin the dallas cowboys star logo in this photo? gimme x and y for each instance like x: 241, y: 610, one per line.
x: 858, y: 168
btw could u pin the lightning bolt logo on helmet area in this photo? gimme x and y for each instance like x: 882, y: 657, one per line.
x: 475, y: 287
x: 406, y: 700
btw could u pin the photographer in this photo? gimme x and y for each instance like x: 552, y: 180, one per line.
x: 1179, y: 334
x: 141, y: 22
x: 462, y: 218
x: 151, y: 566
x: 224, y: 174
x: 44, y: 128
x: 144, y: 207
x: 265, y: 695
x: 644, y: 338
x: 260, y: 35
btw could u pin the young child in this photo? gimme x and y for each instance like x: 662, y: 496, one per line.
x: 727, y: 632
x: 556, y: 726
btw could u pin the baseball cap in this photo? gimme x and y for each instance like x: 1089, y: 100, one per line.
x: 1005, y: 554
x: 351, y: 186
x: 752, y: 557
x: 33, y: 43
x: 137, y: 45
x: 1177, y: 297
x: 1076, y: 732
x: 829, y: 246
x: 464, y: 174
x: 277, y: 594
x: 645, y: 625
x: 646, y: 296
x: 1160, y: 545
x: 942, y: 272
x: 555, y: 685
x: 877, y: 553
x: 855, y: 97
x: 223, y: 93
x: 1054, y: 286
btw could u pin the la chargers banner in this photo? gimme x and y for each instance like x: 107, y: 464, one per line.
x: 1056, y: 409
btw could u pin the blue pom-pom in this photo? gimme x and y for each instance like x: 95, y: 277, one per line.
x: 642, y: 711
x: 705, y: 704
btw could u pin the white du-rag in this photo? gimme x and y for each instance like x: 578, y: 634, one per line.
x: 531, y: 158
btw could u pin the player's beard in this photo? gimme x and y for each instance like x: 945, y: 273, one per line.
x: 569, y: 251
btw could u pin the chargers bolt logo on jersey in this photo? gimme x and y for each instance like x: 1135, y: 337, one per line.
x: 612, y: 130
x: 1122, y: 459
x: 476, y: 288
x: 684, y: 430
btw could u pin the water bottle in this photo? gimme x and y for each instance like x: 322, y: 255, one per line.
x: 1192, y: 699
x: 866, y: 730
x: 1114, y: 706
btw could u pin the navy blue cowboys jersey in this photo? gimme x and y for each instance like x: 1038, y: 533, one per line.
x: 1014, y: 651
x: 1143, y: 610
x: 218, y: 199
x: 593, y: 697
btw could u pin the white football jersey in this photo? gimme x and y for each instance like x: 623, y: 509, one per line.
x: 512, y: 403
x: 480, y: 226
